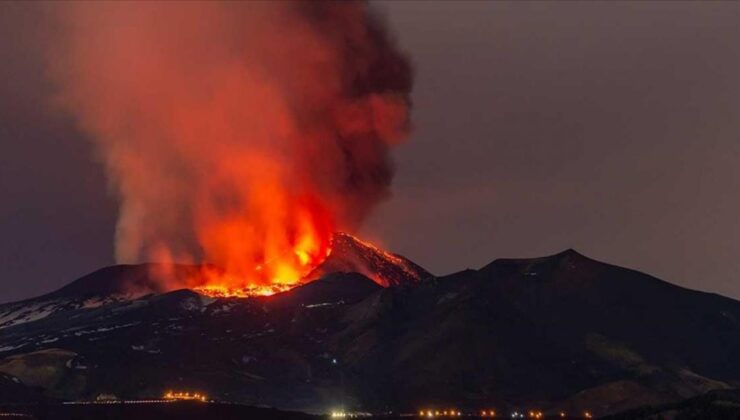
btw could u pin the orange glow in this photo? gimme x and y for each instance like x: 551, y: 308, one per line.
x: 269, y: 257
x: 279, y: 269
x: 436, y: 413
x: 184, y: 396
x: 229, y: 292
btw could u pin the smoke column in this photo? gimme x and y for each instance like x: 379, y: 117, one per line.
x: 239, y: 134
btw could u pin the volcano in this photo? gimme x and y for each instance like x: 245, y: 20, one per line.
x: 129, y: 281
x: 371, y: 331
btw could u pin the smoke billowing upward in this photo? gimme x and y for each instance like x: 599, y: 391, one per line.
x: 240, y: 134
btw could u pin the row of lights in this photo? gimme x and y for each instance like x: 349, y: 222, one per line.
x: 437, y: 413
x: 343, y: 414
x: 116, y: 402
x: 539, y: 415
x: 492, y: 413
x: 170, y: 395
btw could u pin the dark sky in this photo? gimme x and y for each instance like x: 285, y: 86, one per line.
x: 611, y: 128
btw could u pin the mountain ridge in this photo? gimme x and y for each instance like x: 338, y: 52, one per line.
x: 562, y: 332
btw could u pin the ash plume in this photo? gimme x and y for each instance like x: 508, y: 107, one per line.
x: 231, y: 132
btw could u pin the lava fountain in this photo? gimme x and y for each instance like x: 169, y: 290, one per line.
x: 240, y: 135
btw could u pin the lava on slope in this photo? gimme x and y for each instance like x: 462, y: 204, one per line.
x: 346, y: 254
x: 352, y: 255
x: 127, y: 283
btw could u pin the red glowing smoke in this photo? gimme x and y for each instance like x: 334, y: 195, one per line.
x: 240, y: 134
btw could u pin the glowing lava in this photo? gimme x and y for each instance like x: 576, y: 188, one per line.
x: 343, y: 254
x: 281, y: 272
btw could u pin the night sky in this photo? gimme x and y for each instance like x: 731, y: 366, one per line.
x: 611, y: 128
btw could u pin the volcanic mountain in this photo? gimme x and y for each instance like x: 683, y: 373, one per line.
x: 126, y: 282
x: 563, y: 332
x: 351, y: 255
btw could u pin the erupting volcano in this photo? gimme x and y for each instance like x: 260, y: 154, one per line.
x: 238, y: 135
x: 346, y: 254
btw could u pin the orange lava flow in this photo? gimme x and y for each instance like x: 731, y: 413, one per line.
x: 229, y: 292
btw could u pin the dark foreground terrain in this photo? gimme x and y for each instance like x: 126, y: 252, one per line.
x: 563, y: 332
x: 715, y: 405
x: 178, y: 410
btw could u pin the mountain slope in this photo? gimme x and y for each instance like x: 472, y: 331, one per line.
x: 252, y: 350
x: 350, y: 254
x: 108, y: 285
x: 562, y: 333
x: 126, y: 282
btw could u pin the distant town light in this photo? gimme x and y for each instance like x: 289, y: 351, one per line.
x: 184, y: 396
x: 453, y: 412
